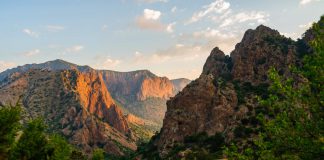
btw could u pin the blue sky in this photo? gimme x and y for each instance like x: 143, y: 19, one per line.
x: 169, y: 37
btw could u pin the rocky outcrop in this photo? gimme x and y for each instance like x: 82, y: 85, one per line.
x: 259, y: 50
x: 224, y: 96
x: 93, y: 94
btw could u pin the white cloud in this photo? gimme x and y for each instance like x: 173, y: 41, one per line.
x: 138, y: 54
x: 292, y: 35
x: 223, y: 39
x: 150, y: 20
x: 111, y: 62
x: 178, y: 52
x: 174, y: 9
x: 6, y: 65
x: 30, y: 33
x: 179, y: 45
x: 106, y: 63
x: 166, y: 61
x: 170, y: 27
x: 210, y: 33
x: 150, y: 14
x: 55, y: 28
x: 304, y: 2
x: 258, y: 16
x: 32, y: 53
x: 306, y: 26
x: 73, y: 49
x: 218, y: 6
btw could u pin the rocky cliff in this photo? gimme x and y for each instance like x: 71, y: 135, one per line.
x: 138, y: 85
x: 223, y: 99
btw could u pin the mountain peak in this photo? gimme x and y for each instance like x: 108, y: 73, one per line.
x: 59, y: 61
x: 258, y: 34
x: 215, y: 62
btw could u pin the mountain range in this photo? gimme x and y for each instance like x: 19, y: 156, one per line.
x: 92, y: 108
x: 118, y: 110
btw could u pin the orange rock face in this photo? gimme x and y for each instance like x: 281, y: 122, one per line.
x: 93, y: 94
x: 155, y: 87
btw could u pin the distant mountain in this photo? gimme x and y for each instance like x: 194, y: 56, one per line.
x: 50, y: 65
x: 89, y: 106
x: 140, y: 92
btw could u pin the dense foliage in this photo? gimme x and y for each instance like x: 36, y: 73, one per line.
x: 9, y: 125
x: 98, y: 154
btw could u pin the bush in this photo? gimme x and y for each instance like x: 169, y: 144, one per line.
x: 242, y: 132
x: 98, y: 154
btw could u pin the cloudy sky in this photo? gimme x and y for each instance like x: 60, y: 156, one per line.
x: 169, y: 37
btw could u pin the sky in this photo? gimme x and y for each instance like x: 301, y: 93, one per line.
x: 171, y: 38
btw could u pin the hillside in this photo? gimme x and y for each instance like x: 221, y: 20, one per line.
x: 74, y: 104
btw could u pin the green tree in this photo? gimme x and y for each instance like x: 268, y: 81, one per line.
x: 32, y: 143
x: 9, y: 125
x: 77, y: 155
x: 296, y: 131
x: 98, y: 154
x: 58, y: 148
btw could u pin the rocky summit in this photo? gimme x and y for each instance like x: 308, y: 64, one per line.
x: 224, y: 96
